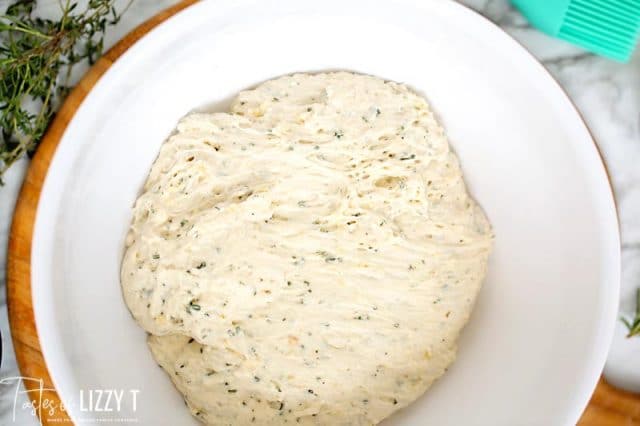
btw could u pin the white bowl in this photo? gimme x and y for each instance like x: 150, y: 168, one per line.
x: 537, y: 340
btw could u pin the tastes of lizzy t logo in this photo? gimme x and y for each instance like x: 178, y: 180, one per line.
x: 94, y: 405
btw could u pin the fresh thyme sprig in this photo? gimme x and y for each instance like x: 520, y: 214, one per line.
x: 633, y: 324
x: 37, y: 56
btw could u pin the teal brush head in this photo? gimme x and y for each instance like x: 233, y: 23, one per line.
x: 606, y: 27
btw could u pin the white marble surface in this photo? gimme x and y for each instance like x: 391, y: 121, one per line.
x: 605, y: 92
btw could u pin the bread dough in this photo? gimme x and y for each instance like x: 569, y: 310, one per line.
x: 309, y: 257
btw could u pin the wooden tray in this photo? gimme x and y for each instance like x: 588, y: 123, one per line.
x: 608, y: 406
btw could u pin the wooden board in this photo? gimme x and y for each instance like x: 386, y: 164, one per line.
x: 608, y: 407
x: 19, y: 300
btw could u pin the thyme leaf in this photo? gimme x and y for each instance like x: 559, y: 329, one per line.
x: 37, y: 56
x: 633, y: 323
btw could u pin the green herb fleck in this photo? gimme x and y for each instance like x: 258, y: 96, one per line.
x: 329, y: 258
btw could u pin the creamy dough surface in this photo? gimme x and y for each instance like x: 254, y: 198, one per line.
x: 310, y: 257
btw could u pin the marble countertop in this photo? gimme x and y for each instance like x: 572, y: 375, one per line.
x: 605, y: 92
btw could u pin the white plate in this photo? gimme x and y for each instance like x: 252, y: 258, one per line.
x: 537, y: 340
